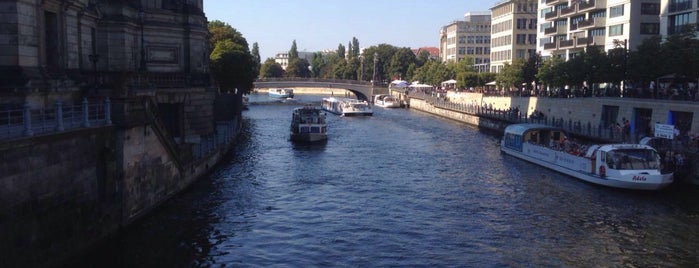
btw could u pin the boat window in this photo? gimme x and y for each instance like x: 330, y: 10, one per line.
x: 626, y: 159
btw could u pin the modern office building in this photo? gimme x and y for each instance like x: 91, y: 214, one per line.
x: 678, y: 15
x: 469, y: 38
x: 569, y: 26
x: 513, y: 35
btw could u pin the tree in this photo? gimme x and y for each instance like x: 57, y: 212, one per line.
x: 511, y: 76
x: 271, y: 69
x: 255, y: 52
x: 219, y: 31
x: 355, y: 47
x: 341, y: 51
x: 232, y: 66
x: 293, y: 52
x: 643, y: 62
x: 298, y: 68
x: 400, y: 61
x: 317, y: 64
x: 551, y: 72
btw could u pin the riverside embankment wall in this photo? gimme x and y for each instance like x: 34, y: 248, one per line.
x: 585, y: 109
x: 62, y: 193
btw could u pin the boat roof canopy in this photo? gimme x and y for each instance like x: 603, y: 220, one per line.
x: 520, y: 129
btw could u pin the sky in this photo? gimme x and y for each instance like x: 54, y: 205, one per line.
x: 318, y: 25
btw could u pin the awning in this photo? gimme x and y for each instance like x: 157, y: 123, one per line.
x: 492, y: 83
x: 451, y: 81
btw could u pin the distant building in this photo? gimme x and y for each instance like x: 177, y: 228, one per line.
x: 514, y: 25
x: 676, y: 15
x: 469, y: 38
x: 569, y: 27
x: 283, y: 58
x: 433, y: 51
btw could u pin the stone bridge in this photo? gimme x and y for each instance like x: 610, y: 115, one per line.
x: 363, y: 90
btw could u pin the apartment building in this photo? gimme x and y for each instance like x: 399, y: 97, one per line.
x: 283, y: 58
x: 469, y: 38
x: 678, y: 15
x: 513, y: 32
x: 569, y: 26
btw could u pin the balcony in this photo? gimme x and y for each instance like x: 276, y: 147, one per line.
x: 550, y: 46
x: 569, y: 10
x: 592, y: 5
x: 551, y: 15
x: 582, y: 41
x: 566, y: 43
x: 555, y: 2
x: 555, y: 30
x: 592, y: 23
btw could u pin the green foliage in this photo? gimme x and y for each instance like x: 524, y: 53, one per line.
x: 341, y: 51
x: 298, y: 68
x: 271, y: 69
x: 355, y: 47
x: 511, y: 75
x: 232, y: 65
x: 552, y: 72
x: 293, y: 52
x: 400, y: 61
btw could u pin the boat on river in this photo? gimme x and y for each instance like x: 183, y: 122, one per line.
x: 347, y: 106
x: 308, y: 124
x: 386, y: 101
x: 627, y: 166
x: 281, y: 92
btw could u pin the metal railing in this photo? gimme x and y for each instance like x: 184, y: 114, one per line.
x: 226, y: 131
x: 587, y: 130
x: 27, y: 122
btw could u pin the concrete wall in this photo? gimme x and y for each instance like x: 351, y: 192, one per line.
x: 61, y: 194
x: 58, y: 193
x: 582, y: 109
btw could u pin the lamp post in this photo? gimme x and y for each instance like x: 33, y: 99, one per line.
x: 376, y: 61
x: 361, y: 71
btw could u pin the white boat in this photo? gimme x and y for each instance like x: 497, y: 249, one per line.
x: 347, y: 107
x: 386, y: 101
x: 628, y: 166
x: 281, y: 92
x: 308, y: 124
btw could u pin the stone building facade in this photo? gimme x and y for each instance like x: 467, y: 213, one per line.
x: 68, y: 50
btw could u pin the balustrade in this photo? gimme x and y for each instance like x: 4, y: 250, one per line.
x: 60, y: 118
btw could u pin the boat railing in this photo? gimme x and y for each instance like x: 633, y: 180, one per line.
x: 586, y: 130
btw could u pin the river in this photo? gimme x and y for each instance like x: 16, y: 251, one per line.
x: 401, y: 188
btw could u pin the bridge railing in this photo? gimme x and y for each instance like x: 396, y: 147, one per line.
x: 316, y: 80
x: 29, y: 122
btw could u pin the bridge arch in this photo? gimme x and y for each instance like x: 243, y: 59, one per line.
x: 363, y: 90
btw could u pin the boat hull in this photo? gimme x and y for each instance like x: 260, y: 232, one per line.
x: 585, y: 172
x: 309, y: 137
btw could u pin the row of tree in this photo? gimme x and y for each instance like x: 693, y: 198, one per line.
x: 235, y: 66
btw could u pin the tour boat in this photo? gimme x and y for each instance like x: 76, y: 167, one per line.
x: 347, y: 107
x: 386, y: 101
x: 308, y: 124
x: 627, y: 166
x: 281, y: 92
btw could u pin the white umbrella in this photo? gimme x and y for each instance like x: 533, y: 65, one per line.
x: 451, y: 81
x: 399, y: 83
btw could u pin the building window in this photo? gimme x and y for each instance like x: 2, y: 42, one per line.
x: 521, y: 24
x: 616, y: 11
x: 520, y: 53
x: 678, y: 23
x: 521, y: 39
x: 650, y: 28
x: 532, y: 39
x: 680, y: 5
x: 616, y: 30
x: 479, y: 50
x: 597, y: 32
x: 462, y: 39
x: 470, y: 50
x: 462, y: 50
x: 598, y: 14
x: 650, y: 9
x: 532, y: 24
